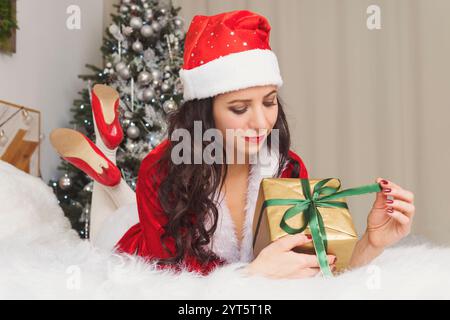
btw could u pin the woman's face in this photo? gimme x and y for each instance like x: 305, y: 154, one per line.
x: 250, y: 113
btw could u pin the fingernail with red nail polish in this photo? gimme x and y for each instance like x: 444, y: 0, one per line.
x: 389, y: 201
x: 387, y: 190
x: 308, y: 236
x: 384, y: 181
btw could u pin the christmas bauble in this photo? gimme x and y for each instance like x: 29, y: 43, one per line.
x: 179, y: 23
x: 121, y: 65
x: 138, y: 46
x: 165, y: 87
x: 126, y: 1
x: 123, y: 9
x: 65, y: 182
x: 147, y: 31
x: 114, y: 29
x: 136, y: 23
x: 156, y: 74
x: 89, y: 187
x: 148, y: 94
x: 133, y: 132
x: 144, y: 78
x: 149, y: 14
x: 169, y: 106
x: 125, y: 73
x: 156, y: 26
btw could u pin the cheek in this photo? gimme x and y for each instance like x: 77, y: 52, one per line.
x: 272, y: 116
x: 229, y: 120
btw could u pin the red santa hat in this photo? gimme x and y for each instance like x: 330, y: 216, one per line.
x: 227, y: 52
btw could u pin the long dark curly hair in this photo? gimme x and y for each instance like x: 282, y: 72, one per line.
x: 187, y: 191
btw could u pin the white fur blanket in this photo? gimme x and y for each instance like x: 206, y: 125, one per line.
x: 41, y: 257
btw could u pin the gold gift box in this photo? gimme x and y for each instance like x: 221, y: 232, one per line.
x: 340, y: 231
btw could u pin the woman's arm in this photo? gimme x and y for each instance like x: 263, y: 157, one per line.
x: 364, y: 253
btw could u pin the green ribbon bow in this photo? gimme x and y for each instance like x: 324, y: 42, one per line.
x: 322, y: 196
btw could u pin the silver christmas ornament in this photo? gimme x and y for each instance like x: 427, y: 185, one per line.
x: 123, y: 9
x: 109, y: 65
x: 133, y: 132
x: 169, y: 106
x: 126, y: 1
x: 156, y: 26
x: 144, y: 78
x: 179, y: 23
x: 148, y: 94
x: 148, y: 14
x: 125, y: 73
x: 134, y: 7
x: 89, y: 187
x: 136, y: 23
x: 114, y: 29
x: 121, y: 65
x: 165, y: 87
x: 167, y: 75
x: 147, y: 31
x: 156, y: 83
x: 138, y: 46
x: 156, y: 74
x: 167, y: 68
x: 65, y: 182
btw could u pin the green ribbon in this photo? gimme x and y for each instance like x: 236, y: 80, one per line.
x: 321, y: 196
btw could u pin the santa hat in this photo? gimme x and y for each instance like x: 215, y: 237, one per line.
x: 227, y: 52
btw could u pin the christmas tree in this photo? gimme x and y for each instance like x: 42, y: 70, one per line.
x: 143, y: 53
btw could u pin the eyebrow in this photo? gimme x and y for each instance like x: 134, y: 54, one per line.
x: 248, y: 100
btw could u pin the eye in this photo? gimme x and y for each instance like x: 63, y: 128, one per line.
x: 239, y: 110
x: 270, y: 103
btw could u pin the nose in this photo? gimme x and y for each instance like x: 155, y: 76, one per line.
x: 258, y: 120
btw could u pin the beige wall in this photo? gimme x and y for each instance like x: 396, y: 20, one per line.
x: 43, y: 74
x: 363, y: 103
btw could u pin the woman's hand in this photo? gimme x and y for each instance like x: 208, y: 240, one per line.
x: 390, y: 219
x: 278, y: 261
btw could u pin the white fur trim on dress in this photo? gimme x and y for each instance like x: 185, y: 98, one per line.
x: 257, y: 67
x: 224, y: 242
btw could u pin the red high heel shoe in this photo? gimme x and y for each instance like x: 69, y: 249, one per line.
x: 77, y: 149
x: 105, y: 108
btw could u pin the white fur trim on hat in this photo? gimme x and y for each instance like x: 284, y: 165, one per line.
x: 257, y: 67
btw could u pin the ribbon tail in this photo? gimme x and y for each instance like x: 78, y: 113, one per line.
x: 318, y: 240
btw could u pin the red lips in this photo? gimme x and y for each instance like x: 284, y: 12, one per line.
x: 257, y: 139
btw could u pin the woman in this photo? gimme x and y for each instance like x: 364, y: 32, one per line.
x: 198, y: 215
